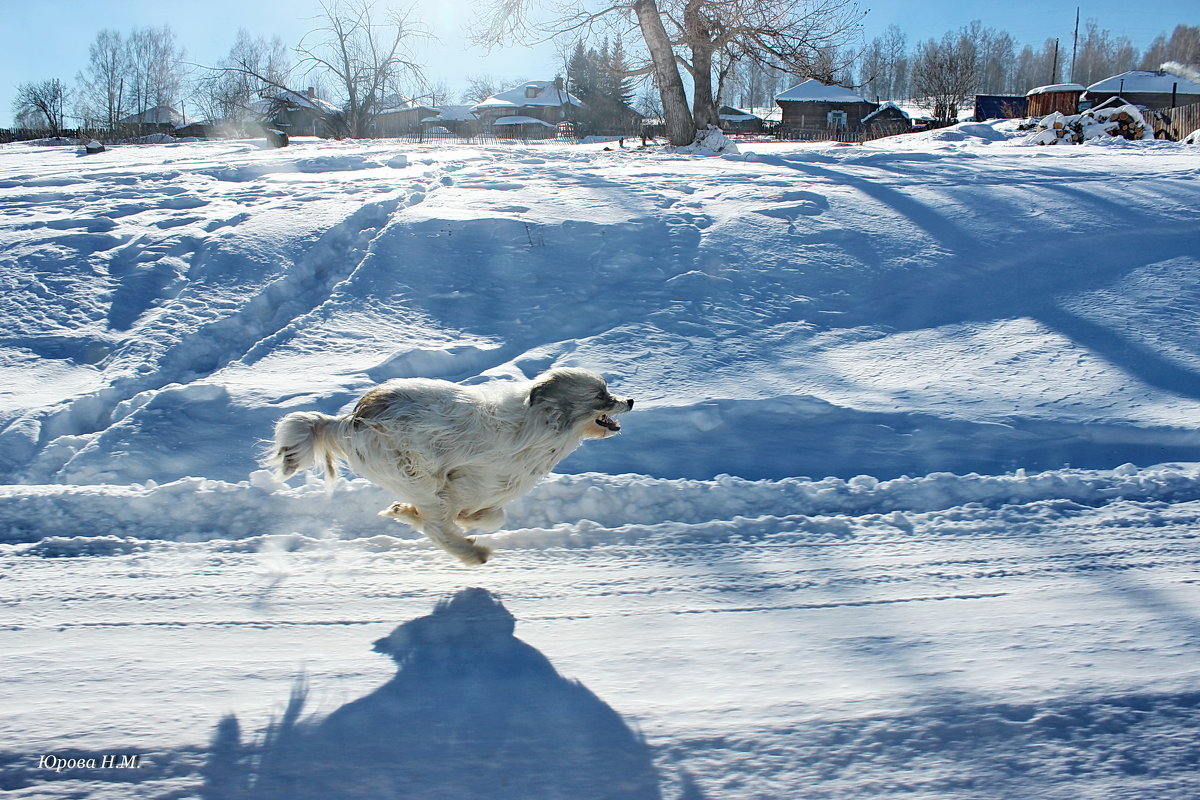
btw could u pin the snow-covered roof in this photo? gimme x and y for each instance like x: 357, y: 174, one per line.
x: 297, y: 99
x: 395, y: 102
x: 520, y: 120
x: 1054, y: 87
x: 731, y: 114
x: 402, y: 110
x: 455, y: 114
x: 813, y: 91
x: 1146, y: 80
x: 544, y: 93
x: 533, y: 94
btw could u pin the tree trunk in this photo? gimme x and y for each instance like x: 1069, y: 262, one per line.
x: 681, y: 130
x: 704, y: 107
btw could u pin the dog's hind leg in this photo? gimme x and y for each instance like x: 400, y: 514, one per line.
x: 442, y: 531
x: 485, y: 520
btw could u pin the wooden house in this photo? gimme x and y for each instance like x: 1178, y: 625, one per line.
x: 887, y: 119
x: 299, y: 113
x: 735, y: 120
x: 812, y: 104
x: 159, y: 119
x: 1060, y: 97
x: 1155, y: 89
x: 458, y: 120
x: 399, y: 116
x: 533, y: 108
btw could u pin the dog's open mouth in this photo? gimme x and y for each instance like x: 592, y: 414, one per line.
x: 605, y: 421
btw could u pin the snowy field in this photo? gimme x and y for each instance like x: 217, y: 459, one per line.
x: 907, y: 507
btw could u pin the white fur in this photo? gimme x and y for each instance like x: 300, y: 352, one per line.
x: 456, y: 454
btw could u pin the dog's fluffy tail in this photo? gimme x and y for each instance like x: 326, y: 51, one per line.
x: 305, y: 439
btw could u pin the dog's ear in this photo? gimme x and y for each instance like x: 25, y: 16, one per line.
x: 543, y: 400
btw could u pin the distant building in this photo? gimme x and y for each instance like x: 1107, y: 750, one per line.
x: 160, y: 119
x: 1150, y: 88
x: 1060, y: 97
x: 735, y: 120
x: 812, y: 104
x: 396, y: 115
x: 1000, y: 106
x: 535, y: 108
x: 889, y: 118
x: 451, y: 119
x: 299, y: 113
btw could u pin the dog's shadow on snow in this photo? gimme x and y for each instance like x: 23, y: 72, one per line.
x: 472, y: 712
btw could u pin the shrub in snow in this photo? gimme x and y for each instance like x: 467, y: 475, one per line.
x: 1124, y: 121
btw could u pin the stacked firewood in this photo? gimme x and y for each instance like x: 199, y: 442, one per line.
x: 1124, y: 121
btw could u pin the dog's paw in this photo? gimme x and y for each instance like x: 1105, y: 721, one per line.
x: 402, y: 511
x: 473, y: 554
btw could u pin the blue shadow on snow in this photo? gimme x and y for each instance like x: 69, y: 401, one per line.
x: 472, y: 712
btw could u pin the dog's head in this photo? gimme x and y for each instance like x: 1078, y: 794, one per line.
x: 577, y: 400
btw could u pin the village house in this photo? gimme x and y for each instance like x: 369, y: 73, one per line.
x: 812, y: 105
x: 888, y: 119
x: 159, y: 119
x: 735, y: 120
x: 457, y: 120
x: 1149, y: 88
x: 1061, y: 97
x: 533, y: 109
x: 399, y: 116
x: 298, y: 114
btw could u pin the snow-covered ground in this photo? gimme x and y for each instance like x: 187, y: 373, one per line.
x: 908, y: 505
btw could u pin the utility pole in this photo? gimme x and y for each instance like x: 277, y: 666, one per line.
x: 1074, y: 45
x: 1054, y: 64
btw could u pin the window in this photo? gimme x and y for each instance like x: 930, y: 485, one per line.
x: 837, y: 119
x: 533, y: 91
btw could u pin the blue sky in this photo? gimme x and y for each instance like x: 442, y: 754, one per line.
x: 41, y: 40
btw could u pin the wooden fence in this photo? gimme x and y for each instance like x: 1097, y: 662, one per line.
x: 1176, y: 122
x: 795, y: 133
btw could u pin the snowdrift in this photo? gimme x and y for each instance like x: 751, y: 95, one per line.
x: 906, y: 508
x: 796, y: 312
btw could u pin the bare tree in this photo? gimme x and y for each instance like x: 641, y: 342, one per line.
x: 945, y: 73
x: 366, y: 56
x: 100, y: 95
x: 883, y: 66
x: 505, y: 20
x: 706, y: 37
x: 44, y: 100
x: 1100, y: 55
x: 155, y: 68
x: 805, y: 37
x: 252, y: 68
x: 1182, y: 47
x: 1037, y: 67
x: 435, y: 94
x: 481, y: 87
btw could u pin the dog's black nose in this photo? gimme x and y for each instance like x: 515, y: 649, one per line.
x: 631, y: 403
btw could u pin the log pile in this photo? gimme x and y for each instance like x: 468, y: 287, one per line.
x: 1124, y: 121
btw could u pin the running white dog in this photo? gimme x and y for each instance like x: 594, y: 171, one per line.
x: 457, y: 454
